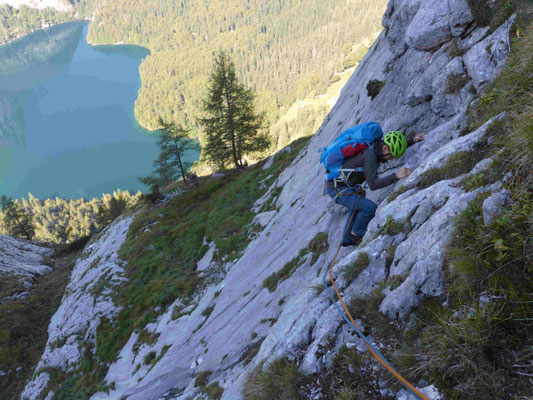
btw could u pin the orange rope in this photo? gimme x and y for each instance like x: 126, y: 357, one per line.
x: 377, y: 356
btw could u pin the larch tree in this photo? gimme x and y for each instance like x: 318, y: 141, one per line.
x: 170, y: 164
x: 232, y: 127
x: 16, y: 220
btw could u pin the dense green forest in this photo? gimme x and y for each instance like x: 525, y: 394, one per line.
x: 294, y: 55
x: 284, y: 51
x: 17, y: 22
x: 66, y: 220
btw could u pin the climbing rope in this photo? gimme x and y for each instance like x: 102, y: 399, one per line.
x: 349, y: 319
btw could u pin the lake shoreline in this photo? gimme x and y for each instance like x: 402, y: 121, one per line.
x: 96, y: 45
x: 42, y: 29
x: 75, y: 145
x: 89, y: 20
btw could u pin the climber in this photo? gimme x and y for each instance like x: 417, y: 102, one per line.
x: 361, y: 166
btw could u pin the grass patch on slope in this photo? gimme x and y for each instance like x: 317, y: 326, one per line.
x: 317, y: 246
x: 24, y: 323
x: 279, y: 379
x: 164, y: 245
x: 493, y: 13
x: 480, y: 344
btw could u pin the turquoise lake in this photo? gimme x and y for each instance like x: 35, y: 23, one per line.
x: 67, y: 126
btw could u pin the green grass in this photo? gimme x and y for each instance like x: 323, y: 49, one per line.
x: 280, y: 380
x: 10, y: 284
x: 389, y: 257
x: 81, y: 382
x: 351, y: 271
x: 402, y: 189
x: 145, y: 337
x: 494, y: 13
x: 318, y: 246
x: 202, y: 378
x: 349, y: 376
x: 475, y: 181
x: 271, y: 283
x: 213, y: 390
x: 391, y: 227
x: 457, y: 164
x: 251, y: 351
x: 455, y: 83
x: 207, y: 312
x: 454, y: 50
x: 481, y: 349
x: 161, y: 261
x: 160, y: 356
x: 24, y: 324
x: 149, y: 357
x: 395, y: 281
x: 373, y: 87
x: 345, y: 379
x: 367, y: 309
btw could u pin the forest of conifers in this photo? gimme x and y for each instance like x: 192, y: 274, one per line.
x: 282, y: 49
x: 59, y: 220
x: 17, y: 22
x: 286, y: 51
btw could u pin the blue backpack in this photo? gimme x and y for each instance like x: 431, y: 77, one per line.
x: 349, y: 143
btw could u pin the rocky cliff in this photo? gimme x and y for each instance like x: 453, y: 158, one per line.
x: 22, y: 260
x: 425, y: 48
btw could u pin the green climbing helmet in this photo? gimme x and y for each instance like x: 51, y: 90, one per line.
x: 396, y: 142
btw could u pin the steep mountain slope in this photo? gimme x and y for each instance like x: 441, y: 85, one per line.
x: 22, y: 259
x: 23, y: 308
x: 208, y: 349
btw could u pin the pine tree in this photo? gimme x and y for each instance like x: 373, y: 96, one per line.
x: 16, y: 220
x: 173, y: 143
x: 232, y: 127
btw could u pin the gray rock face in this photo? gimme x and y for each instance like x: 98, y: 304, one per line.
x: 494, y: 204
x: 396, y: 21
x: 22, y: 261
x: 429, y: 27
x: 81, y: 308
x: 297, y: 319
x: 486, y: 59
x: 22, y: 258
x: 414, y: 24
x: 459, y: 16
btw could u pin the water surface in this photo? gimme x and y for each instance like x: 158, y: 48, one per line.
x: 67, y: 126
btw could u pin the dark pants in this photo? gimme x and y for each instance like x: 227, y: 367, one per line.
x: 366, y: 210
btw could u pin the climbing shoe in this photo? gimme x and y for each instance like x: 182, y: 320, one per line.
x: 354, y: 240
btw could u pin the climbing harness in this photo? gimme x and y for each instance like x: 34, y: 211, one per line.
x: 357, y: 189
x: 344, y: 178
x: 349, y: 319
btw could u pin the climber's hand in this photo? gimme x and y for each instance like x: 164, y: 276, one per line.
x: 419, y: 137
x: 404, y: 172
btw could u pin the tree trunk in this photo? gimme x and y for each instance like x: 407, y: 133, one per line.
x: 179, y: 160
x: 231, y: 123
x: 22, y: 226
